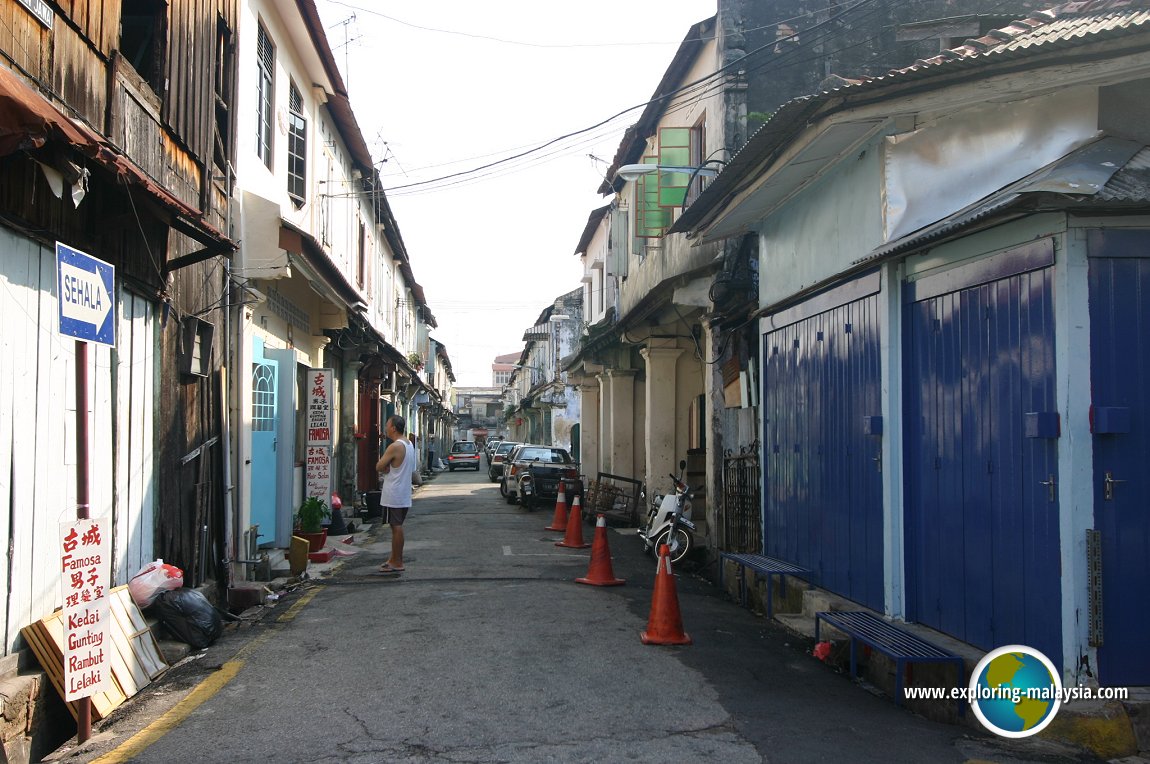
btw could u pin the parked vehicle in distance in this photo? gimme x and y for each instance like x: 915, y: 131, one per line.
x: 464, y: 453
x: 532, y: 474
x: 497, y: 458
x: 492, y: 444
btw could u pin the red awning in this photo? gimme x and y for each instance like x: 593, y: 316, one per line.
x: 28, y: 121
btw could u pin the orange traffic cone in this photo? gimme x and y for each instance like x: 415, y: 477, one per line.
x: 665, y: 625
x: 559, y: 520
x: 573, y: 539
x: 599, y: 572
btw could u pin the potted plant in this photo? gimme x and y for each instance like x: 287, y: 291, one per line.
x: 309, y: 522
x: 415, y: 360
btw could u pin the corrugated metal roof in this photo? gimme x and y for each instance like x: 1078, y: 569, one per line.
x: 1067, y: 26
x: 1131, y: 184
x: 1104, y: 172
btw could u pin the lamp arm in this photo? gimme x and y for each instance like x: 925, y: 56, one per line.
x: 695, y: 174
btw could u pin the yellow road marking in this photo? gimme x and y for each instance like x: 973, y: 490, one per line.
x: 202, y: 692
x: 169, y: 721
x: 293, y: 611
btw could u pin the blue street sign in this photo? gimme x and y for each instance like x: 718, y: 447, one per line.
x: 86, y: 289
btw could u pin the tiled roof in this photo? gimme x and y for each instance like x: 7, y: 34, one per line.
x: 1062, y: 26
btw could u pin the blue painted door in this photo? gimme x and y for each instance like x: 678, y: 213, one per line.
x: 981, y: 515
x: 823, y: 469
x: 1120, y: 384
x: 265, y: 427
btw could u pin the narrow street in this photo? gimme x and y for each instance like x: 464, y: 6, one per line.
x: 485, y: 650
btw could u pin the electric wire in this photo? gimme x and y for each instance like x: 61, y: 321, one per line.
x: 720, y: 72
x: 688, y: 94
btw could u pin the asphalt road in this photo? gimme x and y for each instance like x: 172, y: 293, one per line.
x: 486, y: 650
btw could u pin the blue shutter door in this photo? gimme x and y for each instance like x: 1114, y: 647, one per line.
x: 1120, y: 383
x: 822, y: 481
x: 982, y: 543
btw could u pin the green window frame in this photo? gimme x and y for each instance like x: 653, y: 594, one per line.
x: 674, y: 151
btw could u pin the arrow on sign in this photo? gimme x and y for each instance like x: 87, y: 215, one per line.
x: 83, y: 296
x: 86, y: 289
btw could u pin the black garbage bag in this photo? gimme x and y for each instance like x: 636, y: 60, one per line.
x: 189, y: 616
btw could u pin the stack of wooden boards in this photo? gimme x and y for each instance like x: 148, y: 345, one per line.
x: 136, y: 657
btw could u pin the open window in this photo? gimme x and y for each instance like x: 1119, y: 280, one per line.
x: 144, y: 39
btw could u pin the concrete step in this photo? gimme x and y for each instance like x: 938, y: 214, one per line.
x: 817, y: 601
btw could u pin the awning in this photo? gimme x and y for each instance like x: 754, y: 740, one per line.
x: 28, y: 121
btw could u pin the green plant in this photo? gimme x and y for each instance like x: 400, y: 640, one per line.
x: 415, y: 360
x: 311, y: 514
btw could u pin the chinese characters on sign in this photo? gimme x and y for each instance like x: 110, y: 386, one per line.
x: 318, y: 467
x: 87, y: 653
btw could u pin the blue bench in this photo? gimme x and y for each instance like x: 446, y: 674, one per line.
x: 897, y: 644
x: 761, y: 565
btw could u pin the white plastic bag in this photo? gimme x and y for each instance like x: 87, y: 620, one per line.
x: 153, y: 578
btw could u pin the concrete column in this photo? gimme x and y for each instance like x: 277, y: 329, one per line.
x: 621, y: 383
x: 662, y: 412
x: 348, y: 415
x: 589, y: 429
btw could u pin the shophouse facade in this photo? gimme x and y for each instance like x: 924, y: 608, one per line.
x: 951, y: 256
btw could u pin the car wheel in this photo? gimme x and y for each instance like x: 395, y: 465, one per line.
x: 503, y: 488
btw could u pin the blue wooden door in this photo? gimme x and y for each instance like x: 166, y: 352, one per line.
x: 822, y: 482
x: 1120, y: 384
x: 265, y: 427
x: 981, y: 512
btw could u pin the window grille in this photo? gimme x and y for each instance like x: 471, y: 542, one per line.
x: 263, y: 397
x: 289, y: 311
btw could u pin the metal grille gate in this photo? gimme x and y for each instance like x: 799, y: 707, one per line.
x: 742, y: 509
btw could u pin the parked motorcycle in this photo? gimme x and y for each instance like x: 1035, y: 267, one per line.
x: 669, y: 520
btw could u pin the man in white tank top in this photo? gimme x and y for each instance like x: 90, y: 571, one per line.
x: 395, y: 468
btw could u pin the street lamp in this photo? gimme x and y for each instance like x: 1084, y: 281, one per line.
x: 629, y: 172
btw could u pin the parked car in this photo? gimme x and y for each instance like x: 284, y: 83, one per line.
x: 497, y: 458
x: 491, y: 445
x: 532, y: 474
x: 464, y: 453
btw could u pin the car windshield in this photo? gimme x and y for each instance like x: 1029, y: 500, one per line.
x: 463, y: 448
x: 549, y: 455
x: 505, y: 448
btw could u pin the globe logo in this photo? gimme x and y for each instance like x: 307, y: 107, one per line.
x: 1015, y: 691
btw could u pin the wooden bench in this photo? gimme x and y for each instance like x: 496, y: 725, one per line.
x: 897, y: 644
x: 760, y: 565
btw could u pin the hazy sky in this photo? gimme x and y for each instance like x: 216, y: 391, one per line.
x: 446, y: 86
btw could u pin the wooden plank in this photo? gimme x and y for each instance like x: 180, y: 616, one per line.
x: 103, y: 703
x: 50, y: 659
x: 143, y: 642
x: 135, y: 656
x: 125, y: 668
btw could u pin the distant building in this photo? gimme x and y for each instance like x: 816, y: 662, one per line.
x: 502, y: 368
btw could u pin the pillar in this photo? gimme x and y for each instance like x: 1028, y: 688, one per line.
x: 589, y: 429
x: 621, y: 426
x: 663, y: 413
